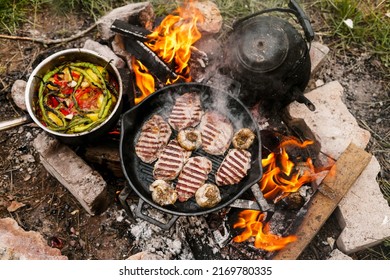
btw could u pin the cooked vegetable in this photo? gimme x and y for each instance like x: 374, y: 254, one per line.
x: 76, y: 97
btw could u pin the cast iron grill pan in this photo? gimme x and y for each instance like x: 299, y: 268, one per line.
x: 140, y: 175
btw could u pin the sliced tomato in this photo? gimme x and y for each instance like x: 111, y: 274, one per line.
x: 52, y: 102
x: 75, y: 75
x: 88, y: 98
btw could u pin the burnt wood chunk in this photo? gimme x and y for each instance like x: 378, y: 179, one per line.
x: 106, y: 156
x: 152, y: 62
x: 129, y: 30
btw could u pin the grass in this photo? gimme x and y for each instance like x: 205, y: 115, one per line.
x: 370, y: 31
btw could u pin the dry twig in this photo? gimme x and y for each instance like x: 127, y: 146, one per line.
x: 49, y: 41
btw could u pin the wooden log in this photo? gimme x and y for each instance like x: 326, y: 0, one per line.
x: 334, y: 187
x: 106, y: 156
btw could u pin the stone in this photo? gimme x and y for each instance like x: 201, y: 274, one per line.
x: 123, y: 13
x: 338, y: 255
x: 18, y: 94
x: 104, y: 51
x: 332, y: 123
x: 318, y: 53
x: 144, y: 256
x: 363, y: 213
x: 18, y: 244
x: 212, y: 17
x: 86, y: 184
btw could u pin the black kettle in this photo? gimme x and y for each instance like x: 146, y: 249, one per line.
x: 270, y: 58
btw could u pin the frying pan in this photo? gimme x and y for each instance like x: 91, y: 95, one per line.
x: 139, y: 175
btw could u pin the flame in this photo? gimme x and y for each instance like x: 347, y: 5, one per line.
x: 281, y: 177
x: 144, y: 80
x: 172, y: 41
x: 251, y: 222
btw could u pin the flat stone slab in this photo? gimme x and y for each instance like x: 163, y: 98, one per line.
x: 18, y: 244
x: 364, y: 213
x: 86, y: 184
x: 333, y: 125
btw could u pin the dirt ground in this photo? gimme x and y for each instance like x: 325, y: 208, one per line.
x: 47, y: 207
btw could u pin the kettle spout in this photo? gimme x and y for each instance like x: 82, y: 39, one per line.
x: 299, y: 97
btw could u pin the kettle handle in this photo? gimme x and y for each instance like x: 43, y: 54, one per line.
x: 294, y: 9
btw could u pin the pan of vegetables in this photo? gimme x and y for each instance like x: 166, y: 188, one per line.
x: 75, y: 94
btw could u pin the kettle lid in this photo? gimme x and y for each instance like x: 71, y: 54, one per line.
x: 264, y: 43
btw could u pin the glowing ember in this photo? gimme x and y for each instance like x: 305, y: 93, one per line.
x: 172, y: 41
x: 251, y: 221
x: 281, y: 177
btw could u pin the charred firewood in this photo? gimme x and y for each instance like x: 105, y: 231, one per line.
x: 129, y: 30
x: 151, y: 61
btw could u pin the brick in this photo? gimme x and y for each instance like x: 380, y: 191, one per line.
x: 86, y: 185
x: 18, y: 244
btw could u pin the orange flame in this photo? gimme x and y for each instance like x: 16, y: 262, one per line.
x: 144, y: 81
x: 251, y: 221
x: 281, y: 177
x: 172, y: 41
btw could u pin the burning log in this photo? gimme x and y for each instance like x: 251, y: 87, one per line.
x: 152, y: 62
x: 129, y: 30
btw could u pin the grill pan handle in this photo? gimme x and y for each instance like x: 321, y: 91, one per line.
x: 164, y: 226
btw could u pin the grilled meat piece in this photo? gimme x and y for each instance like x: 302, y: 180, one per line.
x: 243, y: 138
x: 186, y: 112
x: 194, y: 174
x: 163, y: 193
x: 208, y: 196
x: 233, y: 168
x: 154, y: 135
x: 217, y: 133
x: 189, y: 138
x: 170, y: 161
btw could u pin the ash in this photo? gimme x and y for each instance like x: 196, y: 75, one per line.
x: 189, y: 238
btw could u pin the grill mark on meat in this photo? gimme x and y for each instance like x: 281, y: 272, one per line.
x: 233, y: 168
x: 186, y: 112
x: 170, y: 162
x: 194, y: 174
x: 217, y: 133
x: 154, y: 135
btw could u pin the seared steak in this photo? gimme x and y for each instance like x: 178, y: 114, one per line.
x: 154, y: 135
x: 233, y: 168
x: 186, y: 112
x: 194, y: 174
x: 170, y: 161
x: 217, y: 133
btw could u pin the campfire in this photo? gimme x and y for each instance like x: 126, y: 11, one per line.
x: 172, y: 41
x: 162, y: 57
